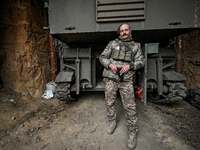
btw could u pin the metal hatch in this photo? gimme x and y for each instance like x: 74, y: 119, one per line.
x: 120, y: 10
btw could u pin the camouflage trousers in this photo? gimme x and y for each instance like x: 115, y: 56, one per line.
x: 128, y: 99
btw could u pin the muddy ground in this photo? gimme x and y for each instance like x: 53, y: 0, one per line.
x: 52, y: 125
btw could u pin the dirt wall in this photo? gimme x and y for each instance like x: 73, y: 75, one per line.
x: 24, y: 46
x: 191, y: 57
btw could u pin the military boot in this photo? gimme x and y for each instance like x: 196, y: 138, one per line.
x: 131, y: 142
x: 111, y: 127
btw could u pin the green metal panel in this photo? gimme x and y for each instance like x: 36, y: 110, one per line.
x: 76, y: 22
x: 72, y: 16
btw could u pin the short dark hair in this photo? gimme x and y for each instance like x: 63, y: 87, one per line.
x: 118, y: 30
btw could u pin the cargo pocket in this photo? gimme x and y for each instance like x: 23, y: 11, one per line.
x: 122, y: 54
x: 128, y: 56
x: 115, y: 54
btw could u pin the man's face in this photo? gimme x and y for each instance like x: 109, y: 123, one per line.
x: 125, y: 31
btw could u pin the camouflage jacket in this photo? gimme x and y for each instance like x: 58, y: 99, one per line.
x: 136, y: 60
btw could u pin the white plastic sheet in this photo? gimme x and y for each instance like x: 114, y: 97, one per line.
x: 48, y: 94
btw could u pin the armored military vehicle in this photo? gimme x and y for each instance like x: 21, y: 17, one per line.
x: 83, y: 28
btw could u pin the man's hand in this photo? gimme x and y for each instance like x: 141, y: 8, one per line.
x: 125, y: 69
x: 113, y: 68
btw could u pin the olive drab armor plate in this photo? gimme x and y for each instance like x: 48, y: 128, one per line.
x: 122, y: 52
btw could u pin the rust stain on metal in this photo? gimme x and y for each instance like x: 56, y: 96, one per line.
x: 196, y: 16
x: 179, y: 49
x: 53, y: 58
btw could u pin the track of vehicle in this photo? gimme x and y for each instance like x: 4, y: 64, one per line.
x: 176, y: 92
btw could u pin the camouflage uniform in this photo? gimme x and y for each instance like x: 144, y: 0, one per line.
x: 125, y: 86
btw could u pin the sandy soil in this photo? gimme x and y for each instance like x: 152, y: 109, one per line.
x: 52, y: 125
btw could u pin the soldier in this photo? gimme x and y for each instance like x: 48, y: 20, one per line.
x: 121, y: 58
